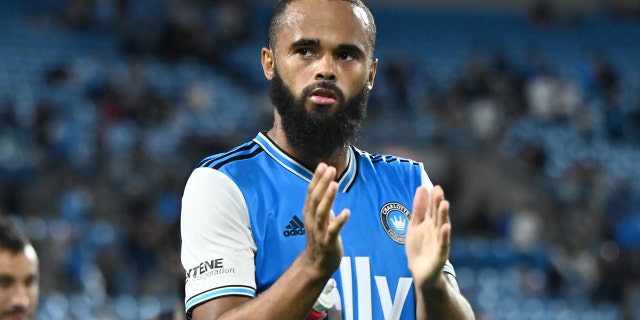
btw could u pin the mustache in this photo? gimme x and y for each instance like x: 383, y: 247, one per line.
x: 14, y: 311
x: 324, y: 84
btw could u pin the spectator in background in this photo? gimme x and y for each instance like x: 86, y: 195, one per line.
x: 19, y: 276
x: 603, y: 79
x: 542, y: 13
x: 551, y: 98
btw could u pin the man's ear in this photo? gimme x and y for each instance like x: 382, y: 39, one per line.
x: 372, y: 72
x: 268, y: 61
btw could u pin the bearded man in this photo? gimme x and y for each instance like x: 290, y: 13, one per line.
x: 260, y: 237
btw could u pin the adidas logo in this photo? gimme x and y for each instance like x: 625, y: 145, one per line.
x: 294, y: 228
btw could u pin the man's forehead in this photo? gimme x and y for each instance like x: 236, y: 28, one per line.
x: 26, y: 259
x: 302, y: 9
x: 30, y: 253
x: 362, y: 16
x: 312, y: 18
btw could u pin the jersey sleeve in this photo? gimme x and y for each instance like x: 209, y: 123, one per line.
x: 217, y: 246
x: 425, y: 179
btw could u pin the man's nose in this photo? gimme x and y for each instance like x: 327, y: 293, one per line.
x: 326, y: 68
x: 20, y: 297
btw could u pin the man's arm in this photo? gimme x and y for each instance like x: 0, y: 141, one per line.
x: 428, y: 244
x: 294, y: 293
x: 445, y: 302
x: 290, y: 297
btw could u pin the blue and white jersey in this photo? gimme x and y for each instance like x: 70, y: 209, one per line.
x: 242, y: 227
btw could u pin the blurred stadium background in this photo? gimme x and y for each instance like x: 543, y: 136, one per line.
x: 527, y: 112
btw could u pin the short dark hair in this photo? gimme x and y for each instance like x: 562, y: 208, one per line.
x: 281, y: 6
x: 11, y: 237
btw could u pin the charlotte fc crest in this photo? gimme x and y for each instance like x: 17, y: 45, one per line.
x: 395, y: 218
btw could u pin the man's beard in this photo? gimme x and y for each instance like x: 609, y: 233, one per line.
x: 318, y: 135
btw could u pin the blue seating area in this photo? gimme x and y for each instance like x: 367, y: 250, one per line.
x: 103, y: 139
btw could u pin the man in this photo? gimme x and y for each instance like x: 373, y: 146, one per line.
x: 260, y: 239
x: 18, y: 274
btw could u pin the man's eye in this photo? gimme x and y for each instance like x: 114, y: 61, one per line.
x: 346, y: 56
x: 5, y: 283
x: 305, y: 52
x: 31, y: 281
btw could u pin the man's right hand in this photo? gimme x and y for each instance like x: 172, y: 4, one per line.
x: 324, y: 246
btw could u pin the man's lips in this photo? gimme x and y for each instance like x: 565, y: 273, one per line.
x: 323, y: 96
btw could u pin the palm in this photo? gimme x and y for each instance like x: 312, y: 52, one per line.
x: 322, y: 228
x: 427, y: 243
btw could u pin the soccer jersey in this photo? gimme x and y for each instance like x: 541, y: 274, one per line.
x: 242, y: 227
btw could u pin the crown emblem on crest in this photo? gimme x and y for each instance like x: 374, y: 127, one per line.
x: 394, y: 217
x: 398, y: 223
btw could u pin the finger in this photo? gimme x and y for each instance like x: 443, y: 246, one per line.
x: 445, y: 240
x: 433, y: 204
x: 437, y: 198
x: 323, y: 212
x: 320, y: 169
x: 419, y: 205
x: 337, y: 223
x: 445, y: 227
x: 315, y: 180
x: 325, y: 187
x: 318, y: 188
x: 443, y: 212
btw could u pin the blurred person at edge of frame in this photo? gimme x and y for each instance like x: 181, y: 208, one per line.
x: 19, y: 275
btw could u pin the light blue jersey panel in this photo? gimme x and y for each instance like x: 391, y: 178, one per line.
x: 373, y: 238
x: 373, y: 278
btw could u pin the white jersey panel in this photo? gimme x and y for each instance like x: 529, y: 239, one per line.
x: 217, y: 246
x: 425, y: 179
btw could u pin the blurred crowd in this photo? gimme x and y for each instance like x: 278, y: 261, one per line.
x: 539, y: 163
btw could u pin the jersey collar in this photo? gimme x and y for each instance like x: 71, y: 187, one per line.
x: 289, y: 163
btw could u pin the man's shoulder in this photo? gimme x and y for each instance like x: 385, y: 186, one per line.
x: 385, y: 160
x: 234, y: 156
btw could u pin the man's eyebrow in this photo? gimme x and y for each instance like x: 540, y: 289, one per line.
x: 6, y: 278
x: 305, y: 43
x: 351, y: 48
x: 316, y: 43
x: 33, y: 277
